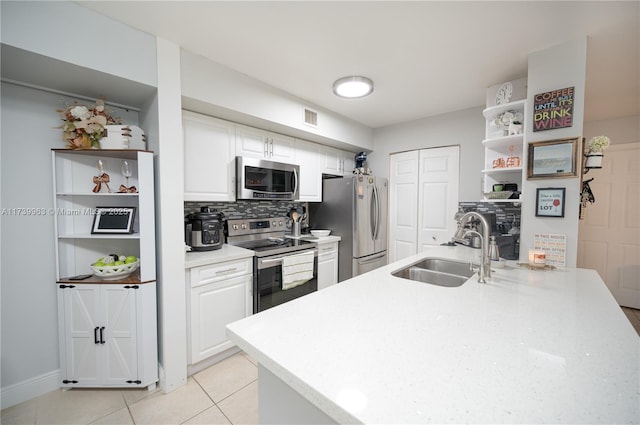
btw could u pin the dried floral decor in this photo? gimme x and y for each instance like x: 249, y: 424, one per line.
x: 84, y: 126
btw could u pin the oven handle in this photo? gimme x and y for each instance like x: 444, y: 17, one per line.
x: 279, y: 259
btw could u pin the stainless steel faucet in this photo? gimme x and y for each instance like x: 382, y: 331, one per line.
x: 485, y: 264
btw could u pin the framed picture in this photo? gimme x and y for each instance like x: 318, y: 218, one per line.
x: 113, y: 220
x: 553, y: 158
x: 550, y: 202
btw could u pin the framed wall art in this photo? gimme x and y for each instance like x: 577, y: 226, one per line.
x: 553, y: 109
x: 553, y: 158
x: 550, y: 202
x: 110, y: 220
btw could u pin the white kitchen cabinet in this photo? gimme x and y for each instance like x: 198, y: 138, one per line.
x: 327, y: 264
x: 108, y: 335
x: 218, y: 295
x: 255, y: 143
x: 308, y: 156
x: 209, y: 158
x: 337, y: 162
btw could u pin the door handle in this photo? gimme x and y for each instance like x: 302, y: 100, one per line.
x: 295, y: 181
x: 95, y: 336
x: 377, y: 198
x: 372, y: 259
x: 101, y: 334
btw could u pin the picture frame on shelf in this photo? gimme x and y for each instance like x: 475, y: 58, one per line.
x: 113, y: 220
x: 553, y: 158
x: 550, y: 202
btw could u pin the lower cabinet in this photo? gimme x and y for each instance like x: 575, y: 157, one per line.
x: 108, y: 335
x: 219, y: 294
x: 327, y: 264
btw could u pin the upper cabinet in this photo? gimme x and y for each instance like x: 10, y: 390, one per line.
x: 308, y: 156
x: 209, y: 152
x: 255, y: 143
x: 337, y: 162
x: 504, y: 140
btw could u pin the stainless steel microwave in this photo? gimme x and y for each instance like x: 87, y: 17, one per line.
x: 259, y: 179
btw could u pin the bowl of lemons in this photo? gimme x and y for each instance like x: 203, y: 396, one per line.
x: 114, y: 267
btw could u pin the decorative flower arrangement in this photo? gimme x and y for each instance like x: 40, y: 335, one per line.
x: 84, y: 126
x: 597, y: 144
x: 509, y: 117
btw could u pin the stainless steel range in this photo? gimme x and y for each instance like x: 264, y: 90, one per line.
x: 266, y: 237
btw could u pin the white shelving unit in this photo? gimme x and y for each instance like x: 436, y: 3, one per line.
x: 107, y: 328
x: 75, y: 203
x: 498, y: 145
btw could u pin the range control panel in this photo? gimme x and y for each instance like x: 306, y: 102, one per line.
x: 256, y: 226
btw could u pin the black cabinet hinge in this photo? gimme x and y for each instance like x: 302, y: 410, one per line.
x: 131, y: 286
x: 135, y: 382
x: 67, y: 286
x: 67, y: 381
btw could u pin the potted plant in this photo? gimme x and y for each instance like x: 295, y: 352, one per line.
x: 595, y: 151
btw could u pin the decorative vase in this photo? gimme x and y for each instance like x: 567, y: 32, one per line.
x: 515, y: 129
x: 594, y: 160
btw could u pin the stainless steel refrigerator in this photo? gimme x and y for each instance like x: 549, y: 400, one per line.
x: 354, y: 208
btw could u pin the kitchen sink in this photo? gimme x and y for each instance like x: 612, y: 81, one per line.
x: 437, y: 271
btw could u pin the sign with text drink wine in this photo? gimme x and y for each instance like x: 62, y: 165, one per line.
x: 553, y: 109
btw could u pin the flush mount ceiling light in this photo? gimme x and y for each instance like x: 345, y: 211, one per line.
x: 353, y: 87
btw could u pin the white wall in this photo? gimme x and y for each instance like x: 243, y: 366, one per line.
x: 213, y: 89
x: 77, y: 35
x: 618, y: 130
x: 29, y: 304
x: 555, y: 68
x: 464, y: 128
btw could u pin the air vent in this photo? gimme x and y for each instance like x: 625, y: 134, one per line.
x: 310, y: 117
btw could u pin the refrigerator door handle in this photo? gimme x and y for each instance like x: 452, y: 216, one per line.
x: 377, y: 201
x: 373, y: 258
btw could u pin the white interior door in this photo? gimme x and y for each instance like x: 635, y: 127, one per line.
x: 609, y: 236
x: 438, y: 195
x: 403, y: 205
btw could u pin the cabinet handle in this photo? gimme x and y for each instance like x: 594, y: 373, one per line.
x: 266, y: 148
x: 271, y: 155
x: 95, y: 336
x: 131, y: 287
x: 67, y: 286
x: 101, y: 335
x: 225, y: 271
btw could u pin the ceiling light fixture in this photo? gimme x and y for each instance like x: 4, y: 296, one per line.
x: 353, y: 87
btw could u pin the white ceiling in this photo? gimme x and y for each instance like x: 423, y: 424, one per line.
x: 425, y: 57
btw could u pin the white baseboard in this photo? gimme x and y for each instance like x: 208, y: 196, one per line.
x: 31, y: 388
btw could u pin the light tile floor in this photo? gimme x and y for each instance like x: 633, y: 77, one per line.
x: 225, y: 393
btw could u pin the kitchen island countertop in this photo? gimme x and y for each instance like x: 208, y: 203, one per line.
x: 530, y: 346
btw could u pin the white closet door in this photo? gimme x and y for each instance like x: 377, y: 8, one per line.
x: 403, y: 205
x: 438, y: 195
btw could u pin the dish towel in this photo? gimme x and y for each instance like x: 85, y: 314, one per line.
x: 296, y: 270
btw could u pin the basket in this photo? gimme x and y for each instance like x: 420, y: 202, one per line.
x: 115, y: 272
x: 505, y: 194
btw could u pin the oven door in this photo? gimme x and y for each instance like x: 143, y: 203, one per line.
x: 260, y: 179
x: 267, y: 282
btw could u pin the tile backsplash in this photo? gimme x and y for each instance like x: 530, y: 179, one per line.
x: 507, y: 213
x: 246, y: 209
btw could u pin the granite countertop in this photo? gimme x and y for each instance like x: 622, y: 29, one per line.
x: 530, y: 346
x: 226, y: 253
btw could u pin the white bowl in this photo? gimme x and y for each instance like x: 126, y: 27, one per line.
x: 320, y: 233
x: 115, y: 272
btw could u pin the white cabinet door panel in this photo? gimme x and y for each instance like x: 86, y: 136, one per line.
x: 308, y: 156
x: 120, y: 334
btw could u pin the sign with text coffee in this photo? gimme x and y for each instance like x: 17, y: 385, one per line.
x: 553, y: 109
